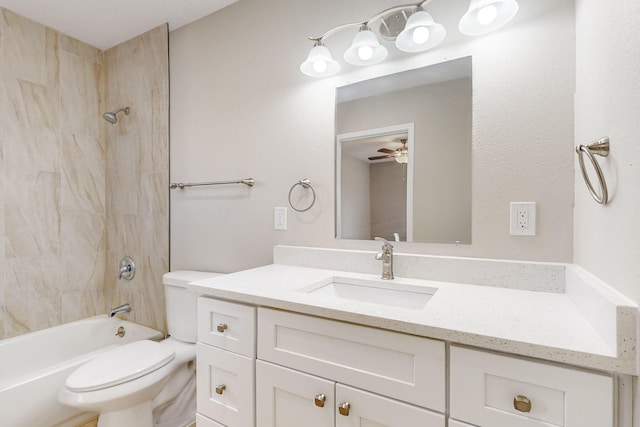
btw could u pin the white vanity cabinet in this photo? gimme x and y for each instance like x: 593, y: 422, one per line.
x: 225, y: 363
x: 265, y: 367
x: 493, y: 390
x: 332, y: 373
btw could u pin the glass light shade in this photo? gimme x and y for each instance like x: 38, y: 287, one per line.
x: 365, y: 49
x: 402, y: 158
x: 478, y: 19
x: 319, y: 63
x: 420, y: 33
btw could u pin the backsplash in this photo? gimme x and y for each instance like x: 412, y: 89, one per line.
x: 525, y: 275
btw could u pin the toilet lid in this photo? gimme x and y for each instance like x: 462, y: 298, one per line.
x: 122, y: 364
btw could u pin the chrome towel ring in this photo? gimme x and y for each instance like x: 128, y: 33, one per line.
x: 600, y: 148
x: 304, y: 183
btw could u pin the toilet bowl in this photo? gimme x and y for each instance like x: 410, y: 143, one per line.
x: 125, y: 384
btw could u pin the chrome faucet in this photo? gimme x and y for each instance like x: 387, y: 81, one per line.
x: 386, y: 256
x: 124, y: 308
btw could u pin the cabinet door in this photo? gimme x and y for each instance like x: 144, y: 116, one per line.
x: 225, y: 386
x: 358, y: 408
x: 288, y: 398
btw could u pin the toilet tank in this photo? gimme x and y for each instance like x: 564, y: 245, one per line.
x: 181, y: 305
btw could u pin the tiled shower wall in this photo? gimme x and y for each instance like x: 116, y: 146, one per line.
x: 58, y: 177
x: 138, y: 174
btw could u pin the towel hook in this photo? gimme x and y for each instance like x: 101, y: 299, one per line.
x: 600, y: 148
x: 304, y: 183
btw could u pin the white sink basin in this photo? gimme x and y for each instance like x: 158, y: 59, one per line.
x: 389, y: 293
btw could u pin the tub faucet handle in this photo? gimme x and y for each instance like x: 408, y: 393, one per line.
x: 127, y: 268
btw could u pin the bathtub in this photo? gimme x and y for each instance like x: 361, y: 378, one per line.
x: 34, y: 366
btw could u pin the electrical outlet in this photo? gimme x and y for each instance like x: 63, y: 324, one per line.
x: 280, y: 218
x: 523, y: 218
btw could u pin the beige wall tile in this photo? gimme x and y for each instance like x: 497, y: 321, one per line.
x: 77, y: 194
x: 51, y: 263
x: 83, y: 252
x: 79, y: 98
x: 36, y: 280
x: 137, y: 172
x: 83, y: 174
x: 32, y: 215
x: 29, y: 50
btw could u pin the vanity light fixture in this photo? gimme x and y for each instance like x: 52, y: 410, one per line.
x: 420, y: 32
x: 485, y: 16
x: 319, y: 63
x: 365, y: 49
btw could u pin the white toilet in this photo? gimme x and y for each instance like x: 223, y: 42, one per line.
x: 125, y: 384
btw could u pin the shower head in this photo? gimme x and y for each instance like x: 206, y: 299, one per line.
x: 112, y: 117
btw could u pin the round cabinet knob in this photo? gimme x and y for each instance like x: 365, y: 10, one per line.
x: 344, y: 408
x: 319, y: 400
x: 220, y: 388
x: 222, y: 327
x: 522, y: 403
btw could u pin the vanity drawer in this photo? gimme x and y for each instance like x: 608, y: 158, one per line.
x: 486, y: 388
x: 401, y: 366
x: 227, y: 325
x: 225, y: 386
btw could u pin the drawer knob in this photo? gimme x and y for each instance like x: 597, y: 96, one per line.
x: 344, y: 408
x: 319, y: 400
x: 220, y: 388
x: 222, y: 327
x: 522, y: 403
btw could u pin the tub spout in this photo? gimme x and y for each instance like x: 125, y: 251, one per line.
x: 125, y: 308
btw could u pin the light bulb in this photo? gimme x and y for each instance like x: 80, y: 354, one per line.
x: 420, y: 35
x: 319, y: 66
x: 365, y: 48
x: 487, y: 15
x: 365, y: 53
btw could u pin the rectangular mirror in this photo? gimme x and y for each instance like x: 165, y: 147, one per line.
x: 403, y: 156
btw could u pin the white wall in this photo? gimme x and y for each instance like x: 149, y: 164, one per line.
x: 607, y: 238
x: 240, y: 107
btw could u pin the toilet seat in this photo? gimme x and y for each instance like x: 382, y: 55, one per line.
x: 122, y: 364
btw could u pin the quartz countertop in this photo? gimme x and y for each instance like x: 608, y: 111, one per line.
x: 552, y: 326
